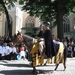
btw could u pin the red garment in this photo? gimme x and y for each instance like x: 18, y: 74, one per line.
x: 21, y: 48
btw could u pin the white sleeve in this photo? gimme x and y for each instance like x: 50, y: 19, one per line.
x: 10, y: 49
x: 14, y: 50
x: 0, y: 49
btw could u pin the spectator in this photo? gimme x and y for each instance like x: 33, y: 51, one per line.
x: 22, y: 51
x: 13, y: 52
x: 5, y: 51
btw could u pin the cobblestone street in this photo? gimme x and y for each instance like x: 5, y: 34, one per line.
x: 22, y: 67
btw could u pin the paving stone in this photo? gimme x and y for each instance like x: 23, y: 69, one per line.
x: 22, y: 67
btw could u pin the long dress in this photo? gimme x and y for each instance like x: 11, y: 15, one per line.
x: 49, y: 45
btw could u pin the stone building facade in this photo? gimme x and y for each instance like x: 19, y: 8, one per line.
x: 21, y: 19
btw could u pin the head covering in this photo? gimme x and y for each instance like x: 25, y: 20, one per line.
x: 47, y: 24
x: 41, y: 26
x: 11, y: 44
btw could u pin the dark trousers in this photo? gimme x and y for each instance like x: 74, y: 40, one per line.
x: 6, y: 57
x: 13, y: 56
x: 0, y: 57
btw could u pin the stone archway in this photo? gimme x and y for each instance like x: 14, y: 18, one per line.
x: 6, y: 26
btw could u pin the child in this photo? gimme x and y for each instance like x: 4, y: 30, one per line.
x: 22, y: 51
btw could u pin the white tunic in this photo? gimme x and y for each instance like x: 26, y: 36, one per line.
x: 0, y: 49
x: 5, y: 50
x: 12, y: 49
x: 22, y: 53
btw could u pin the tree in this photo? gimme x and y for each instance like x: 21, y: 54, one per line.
x: 3, y: 7
x: 47, y: 10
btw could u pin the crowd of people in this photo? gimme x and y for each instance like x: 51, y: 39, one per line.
x: 70, y: 44
x: 9, y: 51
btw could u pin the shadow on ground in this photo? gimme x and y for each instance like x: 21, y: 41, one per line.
x: 16, y: 65
x: 27, y: 70
x: 22, y: 68
x: 23, y: 72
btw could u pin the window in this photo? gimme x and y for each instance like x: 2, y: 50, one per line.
x: 29, y: 22
x: 66, y: 24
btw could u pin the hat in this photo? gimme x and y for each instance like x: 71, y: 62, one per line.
x: 41, y: 26
x: 11, y: 44
x: 47, y: 24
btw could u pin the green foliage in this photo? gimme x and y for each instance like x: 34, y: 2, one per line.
x: 9, y: 3
x: 29, y: 32
x: 1, y: 8
x: 47, y: 9
x: 21, y: 2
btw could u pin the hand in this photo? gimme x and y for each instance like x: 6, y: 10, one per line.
x: 4, y: 53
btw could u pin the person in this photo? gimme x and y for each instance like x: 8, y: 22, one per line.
x: 41, y: 40
x: 6, y: 38
x: 5, y: 51
x: 41, y: 33
x: 13, y: 52
x: 22, y: 52
x: 70, y: 50
x: 19, y: 33
x: 0, y: 52
x: 49, y: 45
x: 19, y: 37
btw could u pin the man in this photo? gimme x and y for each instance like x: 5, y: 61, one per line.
x: 49, y: 45
x: 5, y: 51
x: 13, y: 52
x: 41, y: 40
x: 0, y: 52
x: 41, y: 33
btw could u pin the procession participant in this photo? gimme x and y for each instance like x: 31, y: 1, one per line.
x: 41, y: 40
x: 49, y: 45
x: 41, y: 32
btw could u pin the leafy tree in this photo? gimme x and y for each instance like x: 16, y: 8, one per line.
x: 3, y: 8
x: 47, y: 10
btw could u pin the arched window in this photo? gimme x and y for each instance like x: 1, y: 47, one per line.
x: 66, y: 24
x: 29, y: 22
